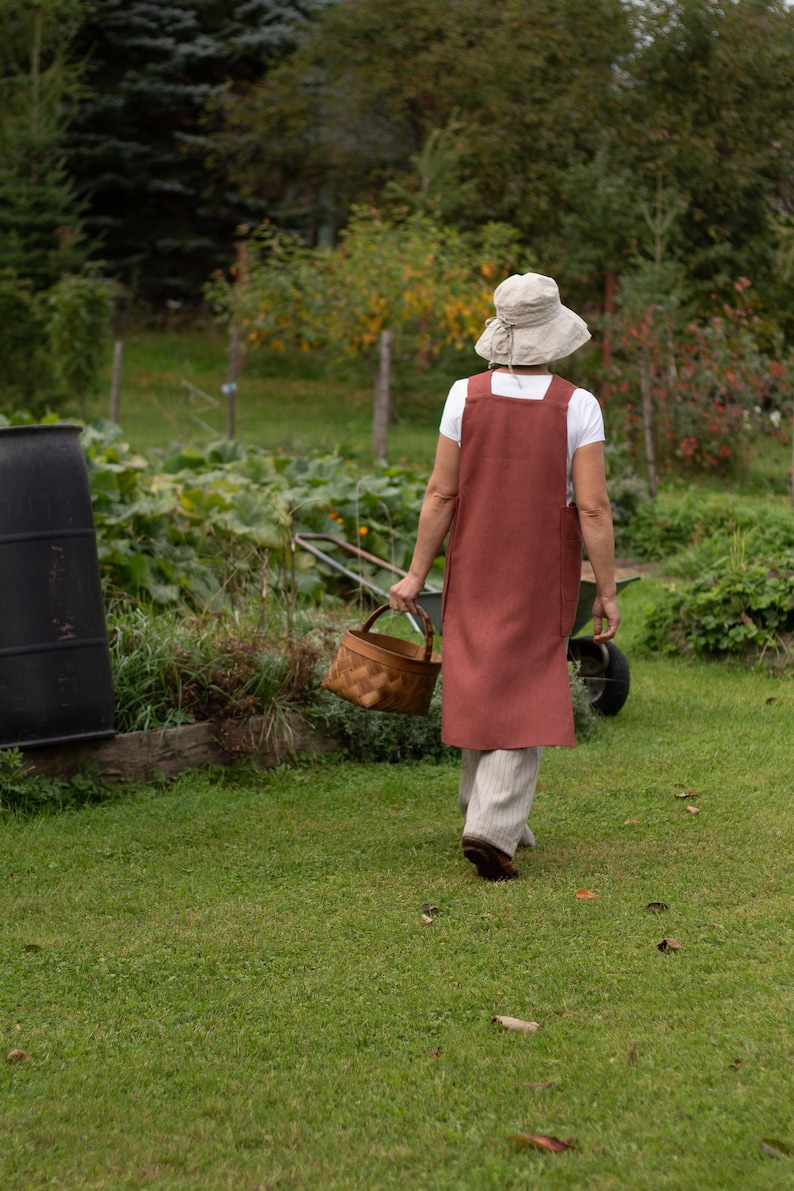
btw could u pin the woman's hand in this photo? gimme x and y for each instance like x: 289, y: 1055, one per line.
x: 605, y: 608
x: 402, y: 596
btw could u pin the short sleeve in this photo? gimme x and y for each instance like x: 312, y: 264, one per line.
x: 452, y: 416
x: 585, y: 421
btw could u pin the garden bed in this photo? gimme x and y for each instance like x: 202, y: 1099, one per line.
x: 165, y: 752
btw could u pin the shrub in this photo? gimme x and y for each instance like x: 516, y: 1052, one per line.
x: 381, y: 736
x: 585, y: 720
x: 378, y: 736
x: 708, y: 383
x: 79, y: 306
x: 734, y: 607
x: 26, y: 377
x: 50, y: 341
x: 628, y: 493
x: 703, y: 526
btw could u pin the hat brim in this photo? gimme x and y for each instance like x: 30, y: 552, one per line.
x: 553, y: 340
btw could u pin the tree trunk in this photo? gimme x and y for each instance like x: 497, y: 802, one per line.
x: 647, y: 420
x: 382, y: 404
x: 35, y: 72
x: 610, y: 286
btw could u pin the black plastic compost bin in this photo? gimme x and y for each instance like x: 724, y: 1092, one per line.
x: 55, y: 678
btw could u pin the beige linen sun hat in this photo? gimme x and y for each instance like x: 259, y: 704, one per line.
x: 531, y: 325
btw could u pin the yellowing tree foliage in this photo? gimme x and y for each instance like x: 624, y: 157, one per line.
x: 427, y: 285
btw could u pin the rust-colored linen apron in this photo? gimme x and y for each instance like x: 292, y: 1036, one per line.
x: 512, y: 575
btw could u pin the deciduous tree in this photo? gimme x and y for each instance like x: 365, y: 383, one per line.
x: 530, y: 81
x: 423, y: 283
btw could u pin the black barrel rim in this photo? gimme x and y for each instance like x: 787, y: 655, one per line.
x: 37, y: 428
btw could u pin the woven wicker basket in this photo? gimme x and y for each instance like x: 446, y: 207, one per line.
x: 385, y: 673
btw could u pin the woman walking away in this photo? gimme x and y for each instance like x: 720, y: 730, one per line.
x: 516, y: 443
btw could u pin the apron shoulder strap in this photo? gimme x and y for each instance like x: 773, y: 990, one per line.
x: 479, y: 385
x: 559, y: 392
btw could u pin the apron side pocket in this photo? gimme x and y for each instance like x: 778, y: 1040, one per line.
x: 570, y: 567
x: 448, y: 564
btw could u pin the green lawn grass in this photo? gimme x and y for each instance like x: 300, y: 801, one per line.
x: 297, y: 404
x: 227, y: 983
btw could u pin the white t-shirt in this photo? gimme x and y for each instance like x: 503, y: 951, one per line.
x: 585, y: 421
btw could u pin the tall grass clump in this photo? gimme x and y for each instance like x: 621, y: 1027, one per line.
x: 170, y: 669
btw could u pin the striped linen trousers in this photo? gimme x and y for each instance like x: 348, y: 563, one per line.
x: 495, y: 795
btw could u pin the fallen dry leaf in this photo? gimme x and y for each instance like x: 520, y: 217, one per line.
x: 771, y: 699
x: 542, y: 1141
x: 735, y: 1064
x: 434, y: 1053
x: 748, y: 620
x: 693, y: 810
x: 656, y: 907
x: 631, y: 822
x: 685, y: 794
x: 428, y: 910
x: 516, y: 1023
x: 633, y: 1053
x: 669, y: 945
x: 774, y: 1149
x: 544, y: 1083
x: 17, y: 1056
x: 585, y: 893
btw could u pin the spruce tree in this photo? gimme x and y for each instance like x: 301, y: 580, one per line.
x: 138, y: 144
x: 40, y: 211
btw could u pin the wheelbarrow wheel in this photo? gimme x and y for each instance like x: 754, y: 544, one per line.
x: 604, y: 671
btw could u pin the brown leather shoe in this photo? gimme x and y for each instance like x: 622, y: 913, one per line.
x: 491, y: 864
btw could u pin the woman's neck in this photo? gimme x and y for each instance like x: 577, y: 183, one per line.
x: 527, y: 369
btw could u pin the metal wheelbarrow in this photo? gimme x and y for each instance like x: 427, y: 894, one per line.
x: 602, y: 666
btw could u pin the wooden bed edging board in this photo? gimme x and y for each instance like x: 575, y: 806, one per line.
x: 165, y: 752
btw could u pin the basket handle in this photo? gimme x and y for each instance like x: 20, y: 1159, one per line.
x: 368, y: 623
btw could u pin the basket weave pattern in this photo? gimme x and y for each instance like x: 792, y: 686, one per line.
x: 384, y: 673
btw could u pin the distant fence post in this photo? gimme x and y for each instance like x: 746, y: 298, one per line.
x: 382, y: 404
x: 115, y: 381
x: 230, y: 388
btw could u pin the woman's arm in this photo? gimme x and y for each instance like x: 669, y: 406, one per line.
x: 595, y: 519
x: 438, y: 509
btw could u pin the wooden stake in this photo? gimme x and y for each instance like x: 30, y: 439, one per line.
x: 230, y: 388
x: 115, y: 381
x: 292, y: 586
x: 263, y: 596
x: 382, y: 404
